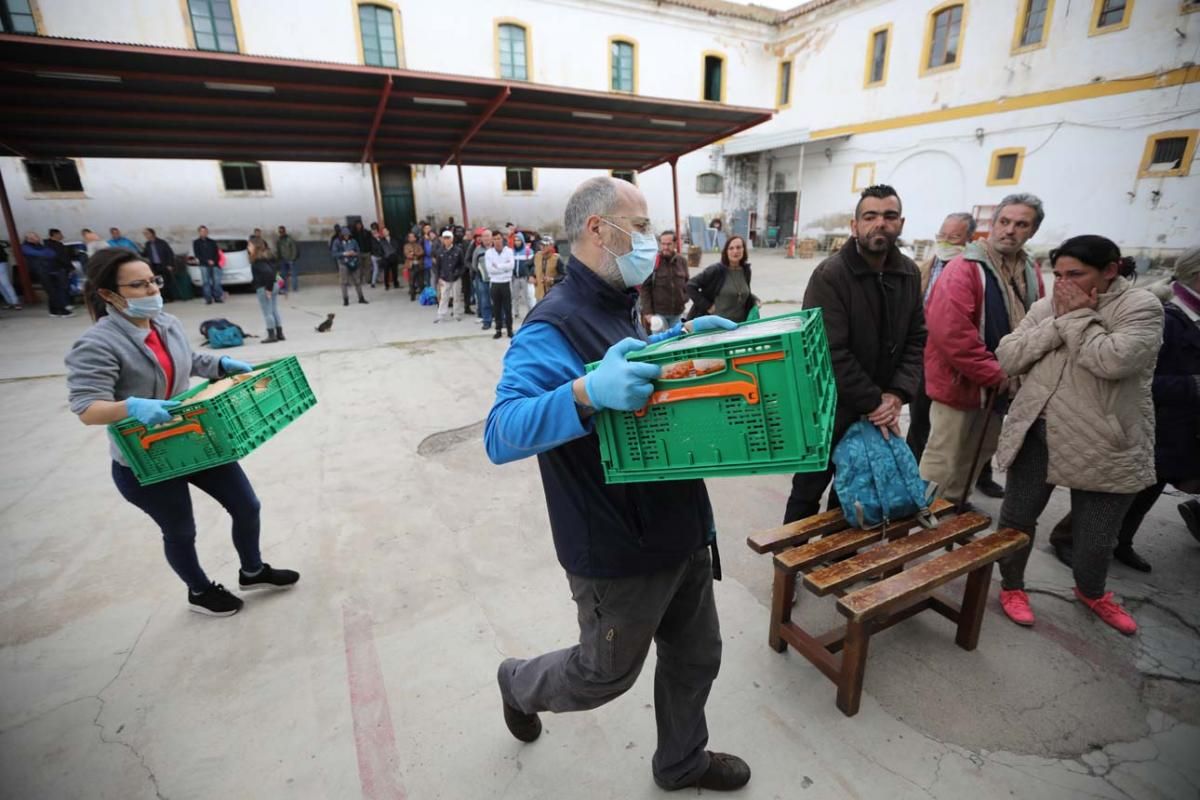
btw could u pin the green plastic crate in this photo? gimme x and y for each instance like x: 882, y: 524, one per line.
x: 219, y: 430
x: 769, y: 408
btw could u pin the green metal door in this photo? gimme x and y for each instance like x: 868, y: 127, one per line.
x: 395, y: 189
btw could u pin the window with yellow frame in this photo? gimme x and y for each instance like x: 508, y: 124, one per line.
x: 1005, y: 169
x: 712, y: 76
x: 1033, y: 25
x: 520, y: 180
x: 1168, y: 154
x: 944, y: 28
x: 513, y: 51
x: 783, y: 85
x: 1110, y: 15
x: 879, y: 50
x: 378, y: 34
x: 863, y: 176
x: 622, y: 64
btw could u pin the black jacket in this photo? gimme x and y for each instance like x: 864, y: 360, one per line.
x: 876, y: 328
x: 263, y: 273
x: 206, y: 250
x: 704, y: 288
x: 62, y: 256
x: 166, y: 254
x: 448, y: 263
x: 1177, y: 398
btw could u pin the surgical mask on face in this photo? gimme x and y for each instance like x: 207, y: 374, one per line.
x: 946, y: 250
x: 636, y: 265
x: 144, y: 307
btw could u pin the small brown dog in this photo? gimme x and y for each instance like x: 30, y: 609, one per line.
x: 326, y: 325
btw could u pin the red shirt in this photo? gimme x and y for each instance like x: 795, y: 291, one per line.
x: 164, y: 358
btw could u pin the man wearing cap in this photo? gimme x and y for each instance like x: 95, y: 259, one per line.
x: 636, y: 555
x: 448, y: 267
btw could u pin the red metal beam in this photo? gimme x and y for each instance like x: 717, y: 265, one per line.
x: 383, y: 101
x: 487, y: 114
x: 675, y: 194
x: 462, y: 194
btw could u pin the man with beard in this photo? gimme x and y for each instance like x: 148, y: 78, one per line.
x: 870, y: 296
x: 981, y: 297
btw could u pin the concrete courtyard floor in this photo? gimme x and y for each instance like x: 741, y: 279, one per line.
x: 423, y: 565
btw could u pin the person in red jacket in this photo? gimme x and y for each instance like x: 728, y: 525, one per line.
x: 981, y: 297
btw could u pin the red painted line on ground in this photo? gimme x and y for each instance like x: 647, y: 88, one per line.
x: 374, y: 736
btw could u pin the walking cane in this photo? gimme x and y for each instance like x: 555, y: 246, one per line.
x: 987, y: 420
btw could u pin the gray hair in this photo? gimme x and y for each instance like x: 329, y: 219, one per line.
x: 963, y: 216
x: 1023, y: 199
x: 595, y: 196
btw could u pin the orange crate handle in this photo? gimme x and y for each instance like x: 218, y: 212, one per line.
x: 728, y: 389
x: 191, y: 427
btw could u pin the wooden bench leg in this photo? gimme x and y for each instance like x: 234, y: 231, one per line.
x: 970, y: 619
x: 783, y: 593
x: 854, y: 664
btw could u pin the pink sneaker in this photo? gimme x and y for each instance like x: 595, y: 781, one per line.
x: 1108, y: 610
x: 1016, y: 606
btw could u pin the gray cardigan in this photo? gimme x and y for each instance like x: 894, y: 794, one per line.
x: 112, y: 362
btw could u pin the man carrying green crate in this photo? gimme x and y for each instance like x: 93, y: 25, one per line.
x: 869, y: 294
x: 636, y: 555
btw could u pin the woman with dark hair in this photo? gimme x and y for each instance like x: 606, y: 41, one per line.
x: 723, y: 289
x: 265, y: 279
x: 1083, y: 417
x: 128, y: 364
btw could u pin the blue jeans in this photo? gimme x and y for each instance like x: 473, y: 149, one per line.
x: 169, y: 504
x: 210, y: 278
x: 270, y: 310
x: 290, y: 275
x: 483, y: 296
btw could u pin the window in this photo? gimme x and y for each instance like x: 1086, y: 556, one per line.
x: 625, y: 175
x: 518, y: 179
x: 1110, y: 15
x: 714, y: 78
x: 1168, y: 154
x: 243, y: 176
x: 1006, y: 166
x: 878, y: 42
x: 17, y: 17
x: 212, y: 25
x: 864, y: 176
x: 377, y: 27
x: 622, y: 65
x: 1033, y: 25
x: 943, y: 33
x: 709, y: 183
x: 54, y: 175
x: 783, y: 87
x: 512, y: 51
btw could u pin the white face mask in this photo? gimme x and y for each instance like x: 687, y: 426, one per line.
x: 638, y: 264
x: 144, y: 307
x: 946, y: 250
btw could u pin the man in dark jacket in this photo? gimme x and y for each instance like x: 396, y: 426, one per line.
x: 665, y: 292
x: 870, y: 295
x: 161, y: 258
x: 53, y: 263
x: 448, y: 267
x: 208, y: 255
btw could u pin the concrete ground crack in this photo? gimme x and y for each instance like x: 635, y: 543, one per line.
x: 1150, y: 601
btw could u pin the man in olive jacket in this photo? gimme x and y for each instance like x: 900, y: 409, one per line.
x: 870, y: 296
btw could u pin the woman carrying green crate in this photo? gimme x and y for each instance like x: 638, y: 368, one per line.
x: 126, y: 365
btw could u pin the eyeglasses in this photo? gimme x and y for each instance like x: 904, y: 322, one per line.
x: 144, y: 284
x: 640, y: 224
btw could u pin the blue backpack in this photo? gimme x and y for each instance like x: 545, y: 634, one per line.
x: 429, y: 296
x: 222, y: 333
x: 877, y: 481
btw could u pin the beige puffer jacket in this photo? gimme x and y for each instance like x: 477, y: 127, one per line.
x: 1089, y: 374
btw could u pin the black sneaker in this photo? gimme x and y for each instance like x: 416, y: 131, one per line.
x: 268, y: 578
x: 525, y: 727
x: 989, y: 487
x: 362, y: 300
x: 345, y: 302
x: 725, y: 773
x: 215, y: 601
x: 497, y: 335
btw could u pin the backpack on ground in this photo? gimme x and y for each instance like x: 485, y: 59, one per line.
x: 429, y: 296
x: 877, y: 480
x: 222, y: 333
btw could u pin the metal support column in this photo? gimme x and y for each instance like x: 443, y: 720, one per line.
x: 675, y: 193
x: 14, y: 241
x: 378, y: 196
x: 794, y: 250
x: 462, y: 195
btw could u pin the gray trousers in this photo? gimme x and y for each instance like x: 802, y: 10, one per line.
x: 618, y: 619
x: 1095, y: 517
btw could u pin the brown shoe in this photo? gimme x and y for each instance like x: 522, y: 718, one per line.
x: 725, y: 773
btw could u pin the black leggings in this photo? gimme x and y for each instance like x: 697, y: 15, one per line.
x: 502, y: 306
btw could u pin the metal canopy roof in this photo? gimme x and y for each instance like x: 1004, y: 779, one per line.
x: 68, y: 97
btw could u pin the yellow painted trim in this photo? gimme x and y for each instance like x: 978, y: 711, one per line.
x: 237, y: 26
x: 496, y: 23
x: 1185, y: 165
x: 39, y: 23
x: 504, y: 182
x: 1020, y: 26
x: 1187, y: 8
x: 1069, y: 94
x: 724, y: 73
x: 629, y: 40
x: 1093, y: 23
x: 785, y: 65
x: 887, y: 56
x: 397, y: 30
x: 927, y: 45
x: 612, y: 174
x: 855, y: 184
x: 992, y: 180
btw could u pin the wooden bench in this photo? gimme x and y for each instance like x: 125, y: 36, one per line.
x: 844, y: 556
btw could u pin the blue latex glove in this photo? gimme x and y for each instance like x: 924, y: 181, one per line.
x: 619, y: 384
x: 231, y: 366
x: 712, y: 322
x: 149, y: 411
